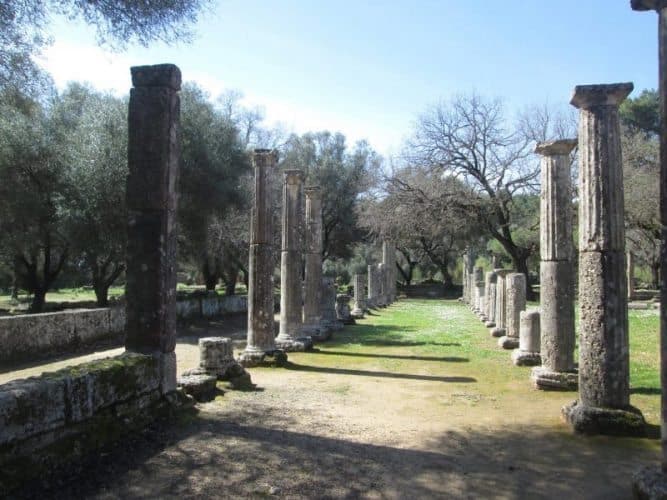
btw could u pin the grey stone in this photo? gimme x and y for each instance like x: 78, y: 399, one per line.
x: 586, y: 419
x: 515, y: 302
x: 312, y: 314
x: 528, y: 353
x: 343, y: 313
x: 329, y: 322
x: 359, y: 297
x: 650, y: 483
x: 500, y: 328
x: 201, y: 386
x: 550, y: 380
x: 372, y: 286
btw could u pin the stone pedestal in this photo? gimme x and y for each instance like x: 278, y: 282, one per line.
x: 261, y: 346
x: 343, y: 313
x: 556, y: 271
x: 501, y: 314
x: 359, y: 300
x: 151, y: 196
x: 312, y: 315
x: 604, y: 378
x: 528, y: 353
x: 515, y: 302
x: 289, y: 334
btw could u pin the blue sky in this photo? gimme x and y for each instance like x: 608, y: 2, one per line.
x: 368, y: 68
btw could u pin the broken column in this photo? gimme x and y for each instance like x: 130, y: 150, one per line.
x: 359, y: 294
x: 329, y: 321
x: 261, y: 330
x: 490, y: 303
x: 343, y: 313
x: 528, y: 353
x: 603, y: 406
x: 151, y: 197
x: 312, y: 315
x: 289, y: 334
x: 651, y: 482
x: 515, y: 302
x: 500, y: 329
x: 556, y: 271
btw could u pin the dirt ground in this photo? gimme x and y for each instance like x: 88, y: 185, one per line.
x: 373, y: 419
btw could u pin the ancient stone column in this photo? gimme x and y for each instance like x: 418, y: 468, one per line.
x: 329, y: 322
x: 528, y: 353
x: 651, y: 482
x: 630, y: 269
x: 389, y: 261
x: 556, y: 270
x: 291, y: 319
x: 500, y: 329
x: 151, y: 197
x: 312, y: 315
x: 490, y: 280
x: 343, y: 313
x: 381, y: 277
x: 478, y: 289
x: 359, y: 296
x: 604, y: 376
x: 261, y: 330
x: 372, y: 286
x: 515, y: 302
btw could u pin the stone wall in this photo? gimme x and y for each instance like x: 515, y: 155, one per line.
x: 68, y: 414
x: 35, y: 336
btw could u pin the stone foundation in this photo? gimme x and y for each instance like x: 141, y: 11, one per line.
x: 608, y: 421
x: 548, y: 380
x: 525, y: 358
x: 507, y: 342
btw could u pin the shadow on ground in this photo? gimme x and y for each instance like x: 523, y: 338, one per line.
x: 446, y: 359
x: 255, y: 453
x: 371, y: 373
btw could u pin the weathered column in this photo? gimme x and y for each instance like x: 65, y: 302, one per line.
x: 604, y: 377
x: 372, y: 286
x: 464, y: 276
x: 478, y: 289
x: 630, y: 270
x: 556, y: 270
x: 500, y: 329
x: 359, y: 296
x: 261, y: 330
x: 289, y: 334
x: 528, y: 353
x: 490, y: 280
x: 151, y: 196
x: 329, y: 321
x: 312, y: 315
x: 343, y: 313
x: 651, y: 482
x: 382, y: 285
x: 515, y: 302
x: 389, y: 261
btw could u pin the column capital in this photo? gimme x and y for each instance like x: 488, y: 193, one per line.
x: 293, y: 176
x: 312, y: 191
x: 612, y: 94
x: 265, y: 157
x: 560, y: 147
x: 648, y: 4
x: 158, y: 75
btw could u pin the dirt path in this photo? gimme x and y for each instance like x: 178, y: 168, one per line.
x: 428, y: 410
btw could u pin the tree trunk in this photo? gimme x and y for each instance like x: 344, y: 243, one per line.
x: 210, y: 276
x: 230, y: 287
x: 102, y: 294
x: 655, y: 275
x: 38, y: 300
x: 446, y: 277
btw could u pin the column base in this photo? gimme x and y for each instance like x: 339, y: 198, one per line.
x: 357, y: 313
x: 548, y: 380
x: 608, y: 421
x: 299, y: 344
x: 490, y: 324
x: 649, y: 483
x: 275, y: 357
x: 508, y: 342
x: 526, y: 358
x: 483, y: 318
x: 498, y: 332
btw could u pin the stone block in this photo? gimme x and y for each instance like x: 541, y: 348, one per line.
x: 91, y: 324
x: 117, y: 319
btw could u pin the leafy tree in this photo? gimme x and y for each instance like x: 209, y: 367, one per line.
x: 642, y: 113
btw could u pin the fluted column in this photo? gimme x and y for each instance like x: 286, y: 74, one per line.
x: 261, y: 331
x: 359, y: 296
x: 312, y: 315
x: 604, y: 371
x: 500, y: 329
x: 556, y: 269
x: 389, y: 261
x: 515, y: 302
x: 290, y: 264
x: 490, y: 279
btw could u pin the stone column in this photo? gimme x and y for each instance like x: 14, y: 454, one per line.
x: 328, y: 308
x: 528, y: 353
x: 372, y: 287
x: 515, y: 302
x: 490, y: 280
x: 261, y: 330
x: 151, y: 197
x: 556, y: 270
x: 630, y: 269
x: 604, y: 376
x: 389, y: 261
x: 478, y: 289
x: 651, y: 482
x: 312, y: 315
x: 289, y: 334
x: 500, y: 329
x: 359, y: 294
x: 381, y: 277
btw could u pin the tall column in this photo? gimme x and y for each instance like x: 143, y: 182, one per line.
x: 389, y: 261
x: 381, y: 277
x: 490, y: 283
x: 291, y: 320
x: 630, y: 270
x: 651, y: 482
x: 604, y: 377
x: 151, y: 195
x: 556, y: 270
x: 515, y: 302
x: 261, y: 330
x: 464, y: 281
x: 359, y: 294
x: 372, y: 286
x: 312, y: 315
x: 500, y: 329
